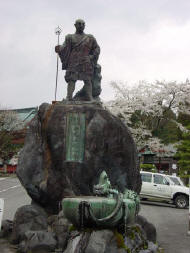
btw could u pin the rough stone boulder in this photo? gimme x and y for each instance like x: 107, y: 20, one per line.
x: 66, y: 148
x: 28, y: 217
x: 38, y: 242
x: 6, y: 228
x: 148, y: 228
x: 108, y: 241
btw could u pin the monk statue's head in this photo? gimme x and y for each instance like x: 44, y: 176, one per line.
x: 80, y: 25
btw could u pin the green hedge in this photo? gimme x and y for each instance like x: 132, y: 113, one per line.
x: 148, y: 167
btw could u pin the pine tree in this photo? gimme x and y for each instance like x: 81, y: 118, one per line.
x: 183, y: 155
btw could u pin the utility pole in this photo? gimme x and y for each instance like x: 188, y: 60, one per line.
x: 188, y: 232
x: 57, y: 32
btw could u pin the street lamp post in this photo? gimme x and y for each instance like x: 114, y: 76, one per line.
x: 57, y: 32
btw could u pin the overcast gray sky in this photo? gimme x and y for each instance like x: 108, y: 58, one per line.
x: 139, y: 40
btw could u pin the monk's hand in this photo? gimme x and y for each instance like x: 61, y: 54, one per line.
x: 91, y: 57
x: 57, y: 49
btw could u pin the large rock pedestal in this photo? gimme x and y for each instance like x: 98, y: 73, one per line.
x: 34, y: 237
x: 61, y: 159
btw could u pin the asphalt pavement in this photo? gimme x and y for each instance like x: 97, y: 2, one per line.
x: 14, y: 196
x: 171, y: 223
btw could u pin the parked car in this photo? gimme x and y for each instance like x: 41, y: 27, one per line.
x: 161, y: 187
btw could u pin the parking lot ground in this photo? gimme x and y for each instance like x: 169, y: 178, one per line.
x: 171, y: 224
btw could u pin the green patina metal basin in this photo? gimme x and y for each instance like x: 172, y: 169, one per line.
x: 88, y: 211
x: 109, y: 209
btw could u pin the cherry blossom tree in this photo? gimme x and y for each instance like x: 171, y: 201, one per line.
x: 146, y: 107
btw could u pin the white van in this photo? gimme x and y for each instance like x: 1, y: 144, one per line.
x: 161, y: 187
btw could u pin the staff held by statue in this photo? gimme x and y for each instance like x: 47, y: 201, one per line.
x: 57, y: 32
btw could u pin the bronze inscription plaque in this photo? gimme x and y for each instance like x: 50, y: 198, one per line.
x: 75, y: 137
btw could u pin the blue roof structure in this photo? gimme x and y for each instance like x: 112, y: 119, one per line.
x: 26, y: 114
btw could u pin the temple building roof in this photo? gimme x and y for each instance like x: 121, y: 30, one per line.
x: 26, y: 114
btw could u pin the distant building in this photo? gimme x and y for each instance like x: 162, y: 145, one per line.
x: 163, y: 159
x: 24, y: 116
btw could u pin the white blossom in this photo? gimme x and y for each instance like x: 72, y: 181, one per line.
x: 151, y: 100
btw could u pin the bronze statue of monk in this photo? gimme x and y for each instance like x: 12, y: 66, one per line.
x: 79, y: 55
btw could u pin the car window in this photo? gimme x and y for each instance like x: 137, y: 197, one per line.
x: 146, y: 177
x: 175, y: 180
x: 158, y: 179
